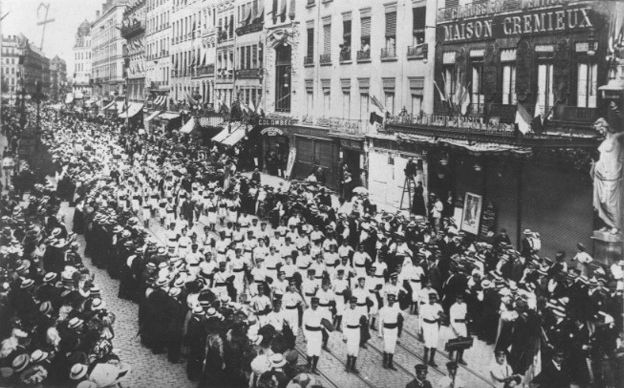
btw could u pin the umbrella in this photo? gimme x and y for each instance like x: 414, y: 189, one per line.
x: 360, y: 190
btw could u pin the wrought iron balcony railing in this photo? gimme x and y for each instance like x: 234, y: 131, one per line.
x: 129, y: 31
x: 363, y: 56
x: 345, y: 55
x: 419, y: 51
x: 250, y: 28
x: 388, y: 53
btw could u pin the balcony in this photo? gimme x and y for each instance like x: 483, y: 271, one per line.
x: 308, y: 61
x: 256, y: 26
x: 248, y: 73
x: 345, y: 56
x: 388, y: 54
x: 363, y: 56
x: 224, y: 75
x: 419, y: 51
x: 131, y: 30
x: 205, y: 70
x: 325, y: 59
x: 496, y: 126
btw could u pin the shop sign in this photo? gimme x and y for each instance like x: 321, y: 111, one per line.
x: 272, y: 131
x: 526, y: 23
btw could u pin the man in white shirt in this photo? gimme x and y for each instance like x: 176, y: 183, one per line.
x: 389, y: 317
x: 352, y: 321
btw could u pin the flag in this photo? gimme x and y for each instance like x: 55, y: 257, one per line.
x: 378, y: 104
x: 464, y: 100
x: 375, y: 118
x: 252, y: 108
x: 442, y: 97
x: 523, y: 119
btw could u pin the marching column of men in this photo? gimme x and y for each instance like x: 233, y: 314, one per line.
x: 324, y: 264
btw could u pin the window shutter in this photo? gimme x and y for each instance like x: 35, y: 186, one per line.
x: 345, y: 84
x: 391, y: 18
x: 417, y: 84
x: 327, y: 39
x: 364, y: 84
x: 366, y: 26
x: 326, y: 85
x: 389, y: 84
x: 419, y: 15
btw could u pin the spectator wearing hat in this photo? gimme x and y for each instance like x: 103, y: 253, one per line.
x: 555, y: 373
x: 421, y: 378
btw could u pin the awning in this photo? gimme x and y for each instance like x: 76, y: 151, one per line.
x: 121, y: 107
x: 151, y: 116
x: 169, y: 116
x: 473, y: 147
x: 109, y: 106
x: 133, y: 109
x: 69, y: 98
x: 219, y: 137
x: 236, y: 136
x: 189, y: 126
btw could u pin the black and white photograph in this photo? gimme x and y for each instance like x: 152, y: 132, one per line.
x: 311, y: 193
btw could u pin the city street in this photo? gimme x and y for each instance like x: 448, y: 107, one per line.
x: 430, y: 192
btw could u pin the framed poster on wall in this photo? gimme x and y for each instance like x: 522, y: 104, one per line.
x: 471, y: 214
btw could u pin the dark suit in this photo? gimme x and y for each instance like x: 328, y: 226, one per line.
x: 551, y: 377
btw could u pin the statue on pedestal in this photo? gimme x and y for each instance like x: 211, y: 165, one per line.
x: 607, y: 177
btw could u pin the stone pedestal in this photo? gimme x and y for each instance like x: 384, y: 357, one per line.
x: 608, y: 248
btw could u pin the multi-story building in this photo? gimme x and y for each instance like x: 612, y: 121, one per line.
x: 185, y: 48
x: 81, y: 76
x: 158, y: 36
x: 249, y: 50
x: 58, y: 78
x: 9, y: 66
x: 35, y: 69
x: 204, y: 72
x: 511, y: 136
x: 225, y: 64
x: 331, y: 64
x: 107, y: 48
x: 133, y: 31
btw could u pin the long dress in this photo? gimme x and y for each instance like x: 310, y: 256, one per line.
x: 213, y: 373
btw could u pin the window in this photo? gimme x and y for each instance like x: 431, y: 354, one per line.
x: 326, y: 37
x: 391, y: 18
x: 477, y: 97
x: 326, y: 87
x: 389, y: 90
x: 509, y: 84
x: 254, y: 56
x: 587, y: 85
x: 345, y: 50
x: 346, y: 97
x: 416, y: 85
x: 309, y: 86
x: 545, y: 94
x: 364, y: 85
x: 282, y: 81
x: 418, y: 25
x: 365, y: 23
x: 310, y: 45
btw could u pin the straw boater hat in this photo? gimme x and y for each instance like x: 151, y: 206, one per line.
x: 78, y: 371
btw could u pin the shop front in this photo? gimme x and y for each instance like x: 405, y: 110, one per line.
x: 386, y: 180
x: 271, y: 150
x: 316, y: 151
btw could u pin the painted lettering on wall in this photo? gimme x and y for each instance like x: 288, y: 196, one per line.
x: 514, y: 25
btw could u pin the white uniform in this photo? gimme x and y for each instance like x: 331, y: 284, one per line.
x: 237, y: 265
x: 359, y: 262
x: 430, y: 327
x: 362, y: 295
x: 261, y: 303
x: 313, y: 330
x: 325, y: 299
x: 457, y: 317
x: 290, y: 300
x: 413, y: 274
x: 351, y: 329
x: 276, y: 319
x: 308, y: 287
x: 339, y: 288
x: 388, y: 322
